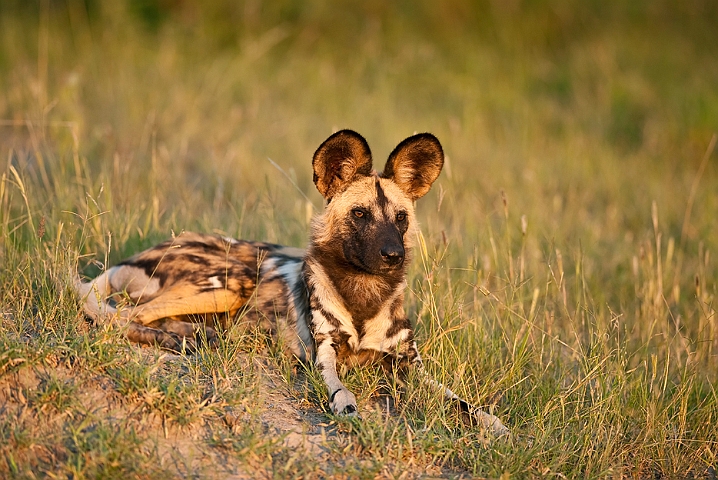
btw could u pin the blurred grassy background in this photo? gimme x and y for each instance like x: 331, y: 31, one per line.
x: 583, y: 114
x: 593, y: 118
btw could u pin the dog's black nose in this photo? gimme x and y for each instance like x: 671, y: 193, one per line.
x: 392, y: 254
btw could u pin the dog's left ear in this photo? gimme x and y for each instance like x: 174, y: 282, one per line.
x: 414, y: 164
x: 341, y: 159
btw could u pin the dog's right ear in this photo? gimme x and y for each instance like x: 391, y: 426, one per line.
x: 341, y: 159
x: 414, y: 164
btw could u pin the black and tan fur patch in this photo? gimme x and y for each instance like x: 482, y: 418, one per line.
x: 339, y: 302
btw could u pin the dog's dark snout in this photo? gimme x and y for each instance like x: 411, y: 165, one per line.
x: 392, y: 254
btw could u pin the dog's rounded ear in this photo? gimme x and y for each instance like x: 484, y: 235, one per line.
x: 341, y: 159
x: 415, y: 163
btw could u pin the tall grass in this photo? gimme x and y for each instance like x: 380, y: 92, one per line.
x: 565, y: 275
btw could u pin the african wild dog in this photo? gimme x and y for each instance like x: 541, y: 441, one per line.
x: 340, y: 302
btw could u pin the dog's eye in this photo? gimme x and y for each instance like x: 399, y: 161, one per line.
x: 400, y: 217
x: 358, y: 213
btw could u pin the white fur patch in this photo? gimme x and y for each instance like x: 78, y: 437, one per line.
x: 215, y: 282
x: 134, y: 281
x: 330, y: 300
x: 375, y: 329
x: 291, y: 273
x: 230, y: 240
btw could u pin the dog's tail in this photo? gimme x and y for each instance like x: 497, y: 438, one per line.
x: 94, y: 295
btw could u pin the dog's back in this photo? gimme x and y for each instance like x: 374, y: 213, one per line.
x: 198, y: 280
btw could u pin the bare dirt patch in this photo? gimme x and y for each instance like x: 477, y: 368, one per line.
x: 43, y: 402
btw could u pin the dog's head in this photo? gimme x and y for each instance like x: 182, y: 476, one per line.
x: 369, y: 222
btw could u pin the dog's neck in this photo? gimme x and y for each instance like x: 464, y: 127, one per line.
x: 363, y: 294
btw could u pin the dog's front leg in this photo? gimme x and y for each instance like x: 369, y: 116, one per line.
x: 341, y: 400
x: 486, y: 420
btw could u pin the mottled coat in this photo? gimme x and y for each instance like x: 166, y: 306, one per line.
x: 339, y: 302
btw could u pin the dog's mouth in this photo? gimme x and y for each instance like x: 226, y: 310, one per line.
x: 376, y: 267
x: 395, y: 267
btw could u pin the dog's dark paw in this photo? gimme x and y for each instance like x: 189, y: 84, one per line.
x: 349, y: 410
x: 207, y: 336
x: 177, y: 343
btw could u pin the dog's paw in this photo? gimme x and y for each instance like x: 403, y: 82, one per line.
x: 206, y: 336
x: 343, y: 402
x: 490, y: 422
x: 177, y: 343
x: 477, y: 417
